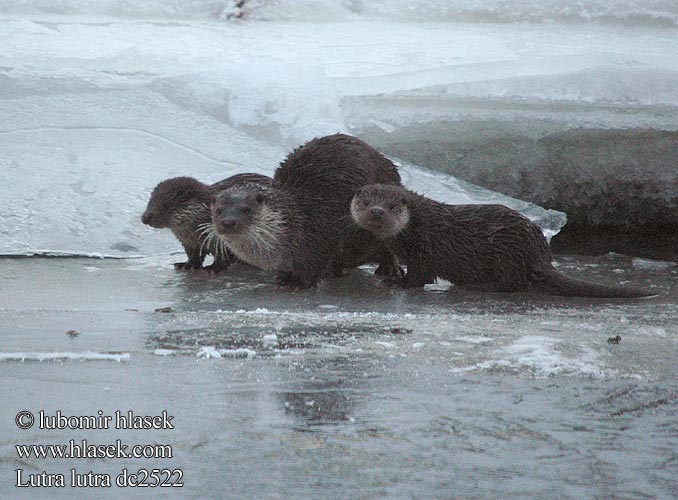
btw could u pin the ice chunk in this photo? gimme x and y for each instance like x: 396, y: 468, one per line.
x: 60, y: 356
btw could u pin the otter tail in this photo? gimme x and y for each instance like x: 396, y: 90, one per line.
x: 555, y: 283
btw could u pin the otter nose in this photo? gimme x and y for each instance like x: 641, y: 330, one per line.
x: 145, y: 218
x: 377, y: 213
x: 227, y: 224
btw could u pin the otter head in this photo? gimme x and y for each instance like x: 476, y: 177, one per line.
x: 247, y: 220
x: 172, y: 198
x: 381, y: 209
x: 239, y: 208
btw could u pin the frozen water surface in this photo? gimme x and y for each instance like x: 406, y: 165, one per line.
x: 350, y: 390
x: 354, y: 389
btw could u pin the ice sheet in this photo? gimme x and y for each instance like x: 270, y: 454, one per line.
x: 96, y: 110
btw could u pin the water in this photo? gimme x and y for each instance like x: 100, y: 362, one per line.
x: 350, y: 390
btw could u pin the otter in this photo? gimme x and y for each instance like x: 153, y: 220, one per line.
x: 479, y: 247
x: 182, y: 205
x: 300, y: 226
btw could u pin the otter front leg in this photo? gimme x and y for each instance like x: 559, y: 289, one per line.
x: 418, y: 275
x: 194, y: 261
x: 388, y: 265
x: 221, y: 262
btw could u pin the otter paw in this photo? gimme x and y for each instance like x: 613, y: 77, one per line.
x: 215, y: 268
x: 184, y: 266
x: 391, y: 270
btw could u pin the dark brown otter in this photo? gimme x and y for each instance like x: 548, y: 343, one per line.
x: 481, y: 247
x: 182, y: 205
x: 301, y: 226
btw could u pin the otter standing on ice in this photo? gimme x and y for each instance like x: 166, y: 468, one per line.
x: 182, y: 205
x: 481, y: 247
x: 301, y: 226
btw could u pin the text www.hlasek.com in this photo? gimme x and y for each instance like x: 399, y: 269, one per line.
x: 85, y: 450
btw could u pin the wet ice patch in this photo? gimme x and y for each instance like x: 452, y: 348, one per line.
x: 651, y: 331
x: 541, y: 356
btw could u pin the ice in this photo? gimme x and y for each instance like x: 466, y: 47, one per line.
x: 210, y: 352
x: 270, y: 339
x: 103, y: 99
x: 651, y: 12
x: 652, y: 265
x: 62, y: 356
x: 164, y: 352
x: 543, y: 357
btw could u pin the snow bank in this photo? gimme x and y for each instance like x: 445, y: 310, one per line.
x: 648, y: 12
x: 94, y: 112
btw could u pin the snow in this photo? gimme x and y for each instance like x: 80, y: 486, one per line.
x: 651, y: 12
x: 541, y: 356
x: 210, y: 352
x: 100, y: 100
x: 62, y: 356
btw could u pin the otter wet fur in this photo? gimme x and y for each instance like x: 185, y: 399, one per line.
x: 182, y: 205
x: 301, y: 226
x: 479, y: 247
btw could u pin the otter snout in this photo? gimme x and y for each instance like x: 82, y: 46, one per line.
x: 150, y: 219
x: 228, y: 219
x: 376, y: 214
x: 227, y: 225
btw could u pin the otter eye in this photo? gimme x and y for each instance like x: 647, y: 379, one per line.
x: 246, y: 209
x: 393, y: 206
x: 364, y: 202
x: 260, y: 198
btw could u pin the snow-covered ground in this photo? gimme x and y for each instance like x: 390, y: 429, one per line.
x: 100, y: 100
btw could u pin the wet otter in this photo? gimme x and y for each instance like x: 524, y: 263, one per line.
x: 301, y: 226
x: 182, y: 205
x: 481, y: 247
